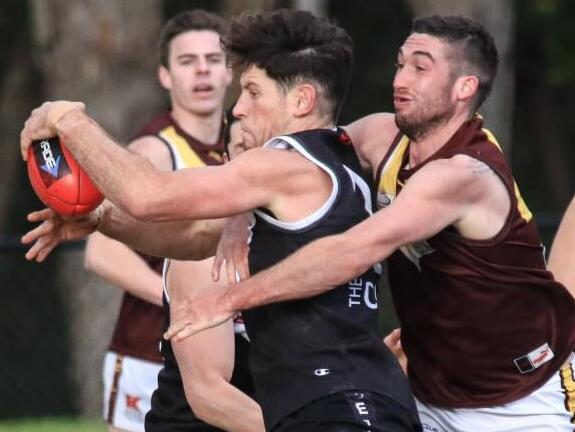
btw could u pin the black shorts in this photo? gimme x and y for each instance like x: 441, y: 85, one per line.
x: 352, y: 411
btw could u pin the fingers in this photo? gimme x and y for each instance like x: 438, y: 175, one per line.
x: 41, y: 215
x: 393, y: 340
x: 217, y: 267
x: 40, y: 250
x: 231, y: 272
x: 177, y: 333
x: 44, y: 229
x: 41, y: 123
x: 243, y: 267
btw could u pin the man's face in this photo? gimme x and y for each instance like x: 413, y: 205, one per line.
x: 423, y: 85
x: 197, y: 76
x: 262, y: 108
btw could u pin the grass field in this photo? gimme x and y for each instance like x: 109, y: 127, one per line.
x: 53, y: 425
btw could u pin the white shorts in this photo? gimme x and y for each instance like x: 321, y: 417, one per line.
x: 550, y: 408
x: 128, y: 386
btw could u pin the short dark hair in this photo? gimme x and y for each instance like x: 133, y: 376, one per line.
x: 475, y: 47
x: 193, y: 19
x: 292, y: 47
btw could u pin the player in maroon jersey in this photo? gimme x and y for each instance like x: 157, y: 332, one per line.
x: 488, y: 331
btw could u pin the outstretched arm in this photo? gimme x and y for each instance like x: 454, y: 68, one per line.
x: 560, y: 261
x: 444, y: 193
x: 135, y: 186
x: 206, y: 360
x: 181, y: 240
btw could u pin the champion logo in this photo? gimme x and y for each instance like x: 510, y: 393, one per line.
x: 321, y: 372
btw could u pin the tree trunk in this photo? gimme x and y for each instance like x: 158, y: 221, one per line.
x: 101, y: 52
x: 498, y: 17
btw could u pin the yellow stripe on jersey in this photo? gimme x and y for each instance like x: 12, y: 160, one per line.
x: 568, y: 385
x: 521, y: 206
x: 390, y: 171
x: 190, y: 158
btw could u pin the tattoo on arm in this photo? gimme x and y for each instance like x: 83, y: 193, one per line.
x: 479, y: 168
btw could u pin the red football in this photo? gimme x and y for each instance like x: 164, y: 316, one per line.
x: 59, y: 181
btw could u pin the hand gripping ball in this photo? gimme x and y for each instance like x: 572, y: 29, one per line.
x: 59, y: 181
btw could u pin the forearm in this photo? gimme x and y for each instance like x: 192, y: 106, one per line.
x: 313, y: 270
x: 121, y: 175
x: 185, y: 240
x: 221, y: 404
x: 122, y: 267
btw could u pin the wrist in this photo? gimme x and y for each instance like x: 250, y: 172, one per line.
x: 58, y: 110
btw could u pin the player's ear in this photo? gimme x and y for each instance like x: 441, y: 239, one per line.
x: 164, y: 77
x: 304, y: 99
x: 467, y: 86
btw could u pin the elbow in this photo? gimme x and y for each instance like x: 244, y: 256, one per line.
x: 142, y: 206
x: 201, y: 400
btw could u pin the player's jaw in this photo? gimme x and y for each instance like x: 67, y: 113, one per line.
x: 416, y: 115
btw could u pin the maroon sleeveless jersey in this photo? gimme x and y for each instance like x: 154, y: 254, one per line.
x: 483, y: 322
x: 140, y: 324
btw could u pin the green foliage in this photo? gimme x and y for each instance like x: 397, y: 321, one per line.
x: 53, y: 425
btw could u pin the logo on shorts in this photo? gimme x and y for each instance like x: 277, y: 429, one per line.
x: 132, y: 402
x: 321, y: 372
x: 531, y: 361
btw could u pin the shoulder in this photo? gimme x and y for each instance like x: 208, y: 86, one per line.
x: 372, y: 136
x: 154, y: 149
x: 460, y: 176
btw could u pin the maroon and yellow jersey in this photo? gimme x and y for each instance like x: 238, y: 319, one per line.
x: 140, y: 324
x: 483, y: 322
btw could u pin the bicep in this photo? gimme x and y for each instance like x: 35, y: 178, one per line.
x: 153, y: 149
x: 245, y: 183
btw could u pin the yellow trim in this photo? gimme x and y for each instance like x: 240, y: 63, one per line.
x: 568, y: 385
x: 390, y: 171
x: 521, y: 205
x: 190, y: 158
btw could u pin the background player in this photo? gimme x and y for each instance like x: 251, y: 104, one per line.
x: 194, y: 73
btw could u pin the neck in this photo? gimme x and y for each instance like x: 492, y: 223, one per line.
x: 423, y: 147
x: 205, y: 128
x: 308, y: 123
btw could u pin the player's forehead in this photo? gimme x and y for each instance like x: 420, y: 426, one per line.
x: 425, y: 46
x: 196, y: 42
x: 256, y: 77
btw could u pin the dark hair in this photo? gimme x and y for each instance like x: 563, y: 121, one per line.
x: 194, y: 19
x: 474, y: 47
x: 293, y: 47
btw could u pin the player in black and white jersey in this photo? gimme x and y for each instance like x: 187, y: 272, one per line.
x: 318, y: 362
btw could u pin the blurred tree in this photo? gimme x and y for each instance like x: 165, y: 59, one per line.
x: 498, y: 17
x: 545, y: 101
x: 102, y: 52
x: 18, y: 87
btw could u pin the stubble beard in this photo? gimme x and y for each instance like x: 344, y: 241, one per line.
x: 426, y: 118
